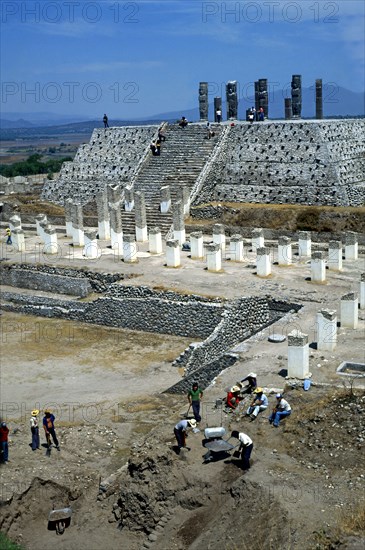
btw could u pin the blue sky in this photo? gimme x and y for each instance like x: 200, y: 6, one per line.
x: 138, y: 58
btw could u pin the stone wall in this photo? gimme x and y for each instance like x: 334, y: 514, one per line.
x: 304, y: 162
x: 111, y: 157
x: 241, y: 319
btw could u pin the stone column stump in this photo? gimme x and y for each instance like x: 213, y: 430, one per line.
x: 214, y: 257
x: 349, y: 310
x: 335, y: 255
x: 351, y: 246
x: 304, y: 244
x: 196, y: 245
x: 219, y: 236
x: 236, y: 248
x: 173, y: 253
x: 130, y: 249
x: 91, y: 248
x: 155, y: 239
x: 298, y: 355
x: 318, y: 268
x: 263, y: 262
x: 284, y: 251
x: 326, y: 330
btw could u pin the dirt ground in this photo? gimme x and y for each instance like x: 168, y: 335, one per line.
x: 305, y: 489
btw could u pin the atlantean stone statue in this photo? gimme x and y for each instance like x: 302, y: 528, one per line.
x: 232, y: 100
x: 296, y: 95
x: 262, y: 96
x: 203, y: 100
x: 319, y: 99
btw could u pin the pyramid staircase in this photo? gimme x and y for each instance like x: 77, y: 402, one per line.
x: 184, y: 154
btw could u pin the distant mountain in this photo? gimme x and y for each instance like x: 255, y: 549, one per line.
x: 43, y: 118
x: 20, y: 123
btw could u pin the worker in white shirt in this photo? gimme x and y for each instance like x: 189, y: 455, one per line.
x: 245, y: 447
x: 281, y: 409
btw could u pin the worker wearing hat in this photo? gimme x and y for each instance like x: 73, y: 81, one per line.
x: 258, y: 404
x: 281, y: 409
x: 34, y: 428
x: 181, y: 429
x: 233, y: 397
x: 251, y: 380
x: 48, y: 425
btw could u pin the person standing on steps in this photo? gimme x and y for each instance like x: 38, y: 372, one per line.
x: 161, y: 134
x: 218, y: 114
x: 194, y: 397
x: 49, y: 429
x: 105, y: 120
x: 34, y: 428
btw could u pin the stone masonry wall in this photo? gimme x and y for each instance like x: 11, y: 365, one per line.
x: 111, y: 157
x: 304, y: 162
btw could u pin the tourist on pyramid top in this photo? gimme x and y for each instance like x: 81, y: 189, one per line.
x: 105, y: 120
x: 183, y: 122
x: 218, y: 114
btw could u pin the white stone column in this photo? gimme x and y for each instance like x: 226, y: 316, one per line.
x: 284, y: 251
x: 258, y: 240
x: 304, y: 244
x: 78, y: 236
x: 349, y: 310
x: 155, y: 238
x: 326, y: 330
x: 183, y: 194
x: 318, y: 268
x: 214, y: 257
x: 103, y: 216
x: 173, y: 253
x: 178, y: 222
x: 50, y: 240
x: 42, y: 227
x: 116, y: 241
x: 219, y: 236
x: 91, y: 248
x: 15, y: 222
x: 128, y: 199
x: 196, y: 245
x: 77, y: 225
x: 141, y: 217
x: 18, y: 240
x: 351, y: 246
x: 68, y: 217
x: 362, y: 291
x: 263, y: 262
x: 298, y: 355
x: 236, y: 248
x: 129, y: 249
x: 335, y: 255
x: 40, y: 218
x: 165, y: 200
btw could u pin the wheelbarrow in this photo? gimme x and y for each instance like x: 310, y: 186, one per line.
x: 218, y: 448
x: 59, y: 519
